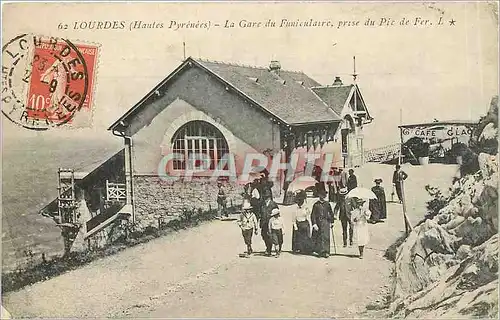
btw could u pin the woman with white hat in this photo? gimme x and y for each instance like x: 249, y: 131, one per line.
x: 302, y: 226
x: 359, y: 218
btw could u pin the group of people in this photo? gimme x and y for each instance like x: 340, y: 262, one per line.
x: 252, y: 192
x: 261, y: 214
x: 312, y: 225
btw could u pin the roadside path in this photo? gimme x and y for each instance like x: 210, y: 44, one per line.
x: 198, y: 273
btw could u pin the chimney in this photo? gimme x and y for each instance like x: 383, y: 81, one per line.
x: 337, y: 81
x: 275, y: 67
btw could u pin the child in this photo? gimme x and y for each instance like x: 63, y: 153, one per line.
x: 248, y: 225
x: 276, y: 230
x: 359, y: 217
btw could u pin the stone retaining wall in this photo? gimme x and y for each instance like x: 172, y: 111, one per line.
x: 157, y: 199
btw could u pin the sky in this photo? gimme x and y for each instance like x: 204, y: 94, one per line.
x: 447, y: 72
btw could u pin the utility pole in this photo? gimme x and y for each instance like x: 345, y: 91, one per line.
x: 408, y: 227
x: 184, y: 49
x: 354, y: 75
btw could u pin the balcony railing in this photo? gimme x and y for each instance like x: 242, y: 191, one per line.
x: 116, y: 191
x: 383, y: 154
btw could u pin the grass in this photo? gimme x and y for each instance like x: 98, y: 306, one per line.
x: 21, y: 277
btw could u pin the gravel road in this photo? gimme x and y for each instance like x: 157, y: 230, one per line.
x: 198, y: 273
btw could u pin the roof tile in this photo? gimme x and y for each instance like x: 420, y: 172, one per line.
x: 287, y: 95
x: 334, y: 96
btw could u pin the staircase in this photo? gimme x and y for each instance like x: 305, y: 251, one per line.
x: 66, y: 207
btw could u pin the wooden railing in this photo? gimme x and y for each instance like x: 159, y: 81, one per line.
x: 383, y: 154
x: 115, y: 191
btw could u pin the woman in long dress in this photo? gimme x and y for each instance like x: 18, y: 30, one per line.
x: 322, y: 219
x: 302, y: 227
x: 359, y: 217
x: 378, y: 206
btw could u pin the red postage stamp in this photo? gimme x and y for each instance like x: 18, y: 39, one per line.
x: 48, y: 82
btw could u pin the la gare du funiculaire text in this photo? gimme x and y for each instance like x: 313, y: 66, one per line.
x: 243, y: 23
x: 177, y: 25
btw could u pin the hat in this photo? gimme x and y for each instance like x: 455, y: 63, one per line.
x: 266, y: 193
x: 246, y: 205
x: 300, y: 194
x: 322, y: 192
x: 275, y: 212
x: 343, y: 191
x: 359, y: 200
x: 378, y: 180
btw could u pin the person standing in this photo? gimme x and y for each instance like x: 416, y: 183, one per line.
x: 267, y: 208
x: 221, y: 200
x: 343, y: 176
x: 344, y: 217
x: 333, y: 191
x: 321, y: 219
x: 248, y: 225
x: 397, y: 180
x: 266, y: 185
x: 378, y: 206
x: 255, y: 199
x: 247, y: 188
x: 352, y: 181
x: 302, y: 226
x: 359, y: 217
x: 276, y: 230
x: 320, y: 185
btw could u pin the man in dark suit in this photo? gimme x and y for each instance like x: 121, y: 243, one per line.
x: 397, y: 179
x: 267, y: 207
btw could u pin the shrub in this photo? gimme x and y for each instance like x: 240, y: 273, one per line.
x: 438, y: 202
x: 418, y: 147
x: 392, y: 251
x: 49, y: 268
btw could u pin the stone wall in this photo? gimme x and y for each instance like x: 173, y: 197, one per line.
x: 157, y: 199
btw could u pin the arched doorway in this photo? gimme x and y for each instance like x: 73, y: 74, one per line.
x: 198, y: 138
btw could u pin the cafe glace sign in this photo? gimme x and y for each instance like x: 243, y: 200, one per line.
x: 438, y: 132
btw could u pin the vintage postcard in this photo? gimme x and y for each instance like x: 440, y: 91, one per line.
x: 250, y: 159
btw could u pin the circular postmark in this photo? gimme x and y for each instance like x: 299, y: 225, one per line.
x: 44, y: 81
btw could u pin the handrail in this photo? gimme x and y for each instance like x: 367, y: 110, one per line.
x: 383, y: 154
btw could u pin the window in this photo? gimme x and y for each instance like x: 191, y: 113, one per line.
x: 199, y: 137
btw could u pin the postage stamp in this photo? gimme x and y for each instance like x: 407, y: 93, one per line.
x: 335, y: 159
x: 48, y: 82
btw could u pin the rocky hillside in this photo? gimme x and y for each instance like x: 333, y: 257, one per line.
x: 448, y: 266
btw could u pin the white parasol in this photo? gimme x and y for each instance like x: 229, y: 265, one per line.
x: 302, y: 182
x: 361, y: 193
x: 252, y: 176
